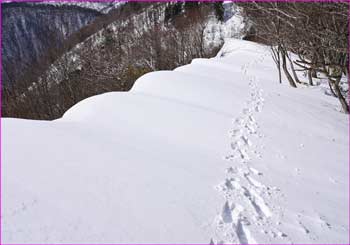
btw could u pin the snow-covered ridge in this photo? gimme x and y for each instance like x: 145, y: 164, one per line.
x: 215, y: 151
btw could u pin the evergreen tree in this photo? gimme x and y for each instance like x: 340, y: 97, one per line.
x: 190, y: 5
x: 172, y: 11
x: 219, y: 11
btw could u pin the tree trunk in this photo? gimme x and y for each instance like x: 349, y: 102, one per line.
x: 313, y: 73
x: 285, y: 69
x: 341, y: 98
x: 293, y: 70
x: 277, y: 59
x: 330, y: 82
x: 294, y: 73
x: 309, y: 74
x: 279, y: 72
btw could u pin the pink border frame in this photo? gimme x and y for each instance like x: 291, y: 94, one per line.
x: 1, y: 1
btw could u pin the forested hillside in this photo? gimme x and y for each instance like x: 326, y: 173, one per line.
x: 30, y: 31
x: 113, y: 51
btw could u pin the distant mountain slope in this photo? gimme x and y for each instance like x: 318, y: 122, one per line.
x: 109, y: 54
x: 29, y: 30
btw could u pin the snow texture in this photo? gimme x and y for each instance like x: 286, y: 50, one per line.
x: 213, y: 152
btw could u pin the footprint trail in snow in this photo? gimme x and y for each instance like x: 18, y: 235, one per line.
x: 245, y: 211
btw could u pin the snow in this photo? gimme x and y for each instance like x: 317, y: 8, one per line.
x: 215, y: 151
x: 233, y: 26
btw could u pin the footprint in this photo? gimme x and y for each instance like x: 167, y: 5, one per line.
x: 236, y: 213
x: 235, y: 133
x: 255, y: 171
x: 234, y: 146
x: 244, y: 155
x: 258, y: 203
x: 250, y: 129
x: 231, y: 170
x: 254, y: 182
x: 246, y: 140
x: 228, y: 184
x: 324, y: 222
x: 246, y: 111
x: 304, y: 228
x: 244, y: 234
x: 229, y: 157
x: 226, y: 213
x: 252, y: 120
x: 239, y: 121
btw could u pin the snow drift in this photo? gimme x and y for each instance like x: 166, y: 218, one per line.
x: 215, y: 151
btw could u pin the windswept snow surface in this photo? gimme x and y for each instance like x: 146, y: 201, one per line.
x: 215, y: 151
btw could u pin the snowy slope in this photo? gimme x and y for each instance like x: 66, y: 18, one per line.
x: 214, y: 151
